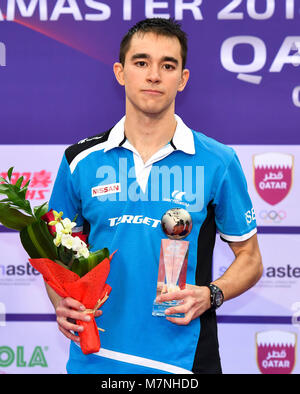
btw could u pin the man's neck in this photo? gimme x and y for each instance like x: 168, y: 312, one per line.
x: 149, y: 133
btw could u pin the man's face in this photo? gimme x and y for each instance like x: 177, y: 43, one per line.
x: 152, y: 73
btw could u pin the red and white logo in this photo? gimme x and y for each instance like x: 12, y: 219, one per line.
x: 273, y: 176
x: 40, y: 183
x: 106, y: 189
x: 276, y: 352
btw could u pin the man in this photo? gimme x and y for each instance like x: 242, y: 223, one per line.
x: 149, y: 155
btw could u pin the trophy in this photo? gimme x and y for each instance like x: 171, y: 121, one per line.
x: 176, y: 224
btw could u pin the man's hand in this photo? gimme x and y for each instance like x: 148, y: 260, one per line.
x: 68, y: 311
x: 195, y: 301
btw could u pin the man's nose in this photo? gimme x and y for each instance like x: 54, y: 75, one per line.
x: 153, y: 75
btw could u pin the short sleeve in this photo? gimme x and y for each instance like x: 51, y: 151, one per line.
x: 64, y: 195
x: 234, y: 213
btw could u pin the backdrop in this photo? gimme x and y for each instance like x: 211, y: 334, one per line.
x: 57, y: 87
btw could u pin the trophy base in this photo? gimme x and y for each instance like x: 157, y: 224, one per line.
x: 160, y: 307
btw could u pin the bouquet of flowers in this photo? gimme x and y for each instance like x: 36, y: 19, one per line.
x: 59, y: 254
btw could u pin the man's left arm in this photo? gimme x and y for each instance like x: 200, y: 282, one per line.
x: 245, y: 270
x: 241, y: 275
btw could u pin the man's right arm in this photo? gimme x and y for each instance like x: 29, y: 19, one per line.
x: 65, y: 199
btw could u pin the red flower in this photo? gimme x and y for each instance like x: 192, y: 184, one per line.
x: 49, y: 217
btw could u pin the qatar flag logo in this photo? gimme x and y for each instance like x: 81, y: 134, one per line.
x: 276, y: 352
x: 273, y: 176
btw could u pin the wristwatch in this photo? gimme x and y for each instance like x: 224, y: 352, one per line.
x: 216, y: 296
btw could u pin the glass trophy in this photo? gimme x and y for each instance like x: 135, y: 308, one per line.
x: 176, y: 224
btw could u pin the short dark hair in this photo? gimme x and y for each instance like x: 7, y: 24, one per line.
x: 159, y: 26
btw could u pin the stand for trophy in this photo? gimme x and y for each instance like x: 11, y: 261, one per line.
x: 176, y: 224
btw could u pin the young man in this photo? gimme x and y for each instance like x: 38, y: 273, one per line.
x: 151, y: 153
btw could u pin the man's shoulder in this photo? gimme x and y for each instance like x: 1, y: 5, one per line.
x: 87, y: 143
x: 212, y: 147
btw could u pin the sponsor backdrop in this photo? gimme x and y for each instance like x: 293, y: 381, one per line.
x: 57, y: 87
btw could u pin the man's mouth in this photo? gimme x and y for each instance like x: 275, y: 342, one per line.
x: 153, y: 92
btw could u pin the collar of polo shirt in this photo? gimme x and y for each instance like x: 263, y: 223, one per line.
x: 183, y: 138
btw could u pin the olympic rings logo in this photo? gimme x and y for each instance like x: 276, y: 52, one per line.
x: 273, y: 216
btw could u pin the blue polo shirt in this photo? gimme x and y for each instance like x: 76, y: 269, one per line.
x: 119, y: 201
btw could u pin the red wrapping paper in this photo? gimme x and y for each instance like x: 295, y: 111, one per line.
x: 88, y: 290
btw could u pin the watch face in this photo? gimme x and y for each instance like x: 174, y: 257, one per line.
x: 218, y: 299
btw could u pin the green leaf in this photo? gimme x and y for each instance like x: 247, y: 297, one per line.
x: 65, y: 255
x: 14, y: 219
x: 40, y: 210
x: 26, y: 185
x: 5, y: 200
x: 82, y: 266
x: 4, y: 188
x: 3, y: 180
x: 16, y: 197
x: 9, y: 172
x: 19, y: 182
x: 38, y: 242
x: 23, y: 191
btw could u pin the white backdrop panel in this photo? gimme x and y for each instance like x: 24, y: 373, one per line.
x: 275, y: 200
x: 238, y: 349
x: 32, y: 348
x: 278, y: 289
x: 22, y: 288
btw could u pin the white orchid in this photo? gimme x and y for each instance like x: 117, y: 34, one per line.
x: 83, y: 252
x: 64, y: 237
x: 80, y: 247
x: 59, y: 229
x: 77, y: 244
x: 74, y: 243
x: 67, y: 240
x: 65, y: 226
x: 57, y: 239
x: 68, y: 225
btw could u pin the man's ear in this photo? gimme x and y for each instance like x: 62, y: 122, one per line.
x: 184, y: 79
x: 119, y: 73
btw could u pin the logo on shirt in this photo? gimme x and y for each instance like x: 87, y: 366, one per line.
x: 134, y: 219
x: 106, y: 189
x: 273, y: 176
x: 177, y: 197
x: 276, y: 352
x: 250, y: 216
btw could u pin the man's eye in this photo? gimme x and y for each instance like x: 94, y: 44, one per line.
x: 169, y: 67
x: 141, y: 63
